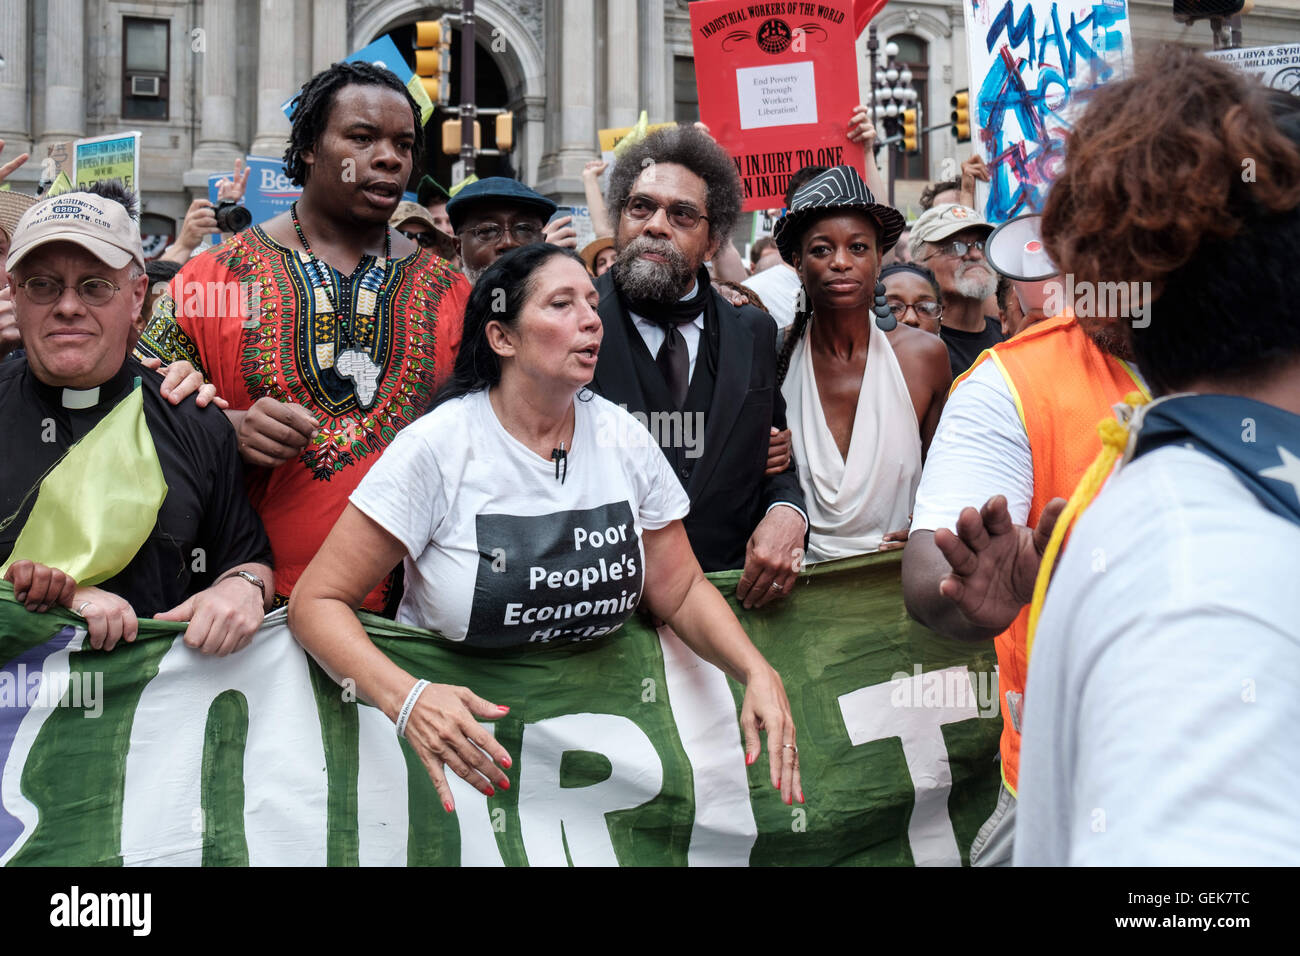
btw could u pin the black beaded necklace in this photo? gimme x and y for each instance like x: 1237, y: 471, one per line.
x: 319, y: 277
x: 351, y: 359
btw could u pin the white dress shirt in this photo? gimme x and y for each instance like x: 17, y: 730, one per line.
x: 653, y: 334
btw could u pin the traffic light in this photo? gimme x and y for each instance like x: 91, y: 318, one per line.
x: 433, y: 58
x: 505, y: 131
x: 1191, y: 10
x: 961, y: 115
x: 911, y: 140
x: 451, y: 136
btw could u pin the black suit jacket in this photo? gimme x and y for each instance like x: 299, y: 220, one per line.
x: 727, y: 487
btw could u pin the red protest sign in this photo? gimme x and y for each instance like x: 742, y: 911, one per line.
x: 777, y: 84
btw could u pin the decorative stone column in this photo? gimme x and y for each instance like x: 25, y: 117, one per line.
x: 65, y: 48
x: 219, y: 72
x: 329, y: 33
x: 622, y: 78
x: 15, y: 126
x: 571, y: 139
x: 654, y: 87
x: 275, y: 77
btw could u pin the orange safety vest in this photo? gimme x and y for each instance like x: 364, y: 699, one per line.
x: 1063, y: 385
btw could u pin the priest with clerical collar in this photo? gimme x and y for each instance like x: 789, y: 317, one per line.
x: 113, y: 502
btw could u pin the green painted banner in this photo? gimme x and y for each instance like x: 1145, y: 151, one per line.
x: 625, y: 750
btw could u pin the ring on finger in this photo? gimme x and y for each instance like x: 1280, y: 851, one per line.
x: 776, y: 586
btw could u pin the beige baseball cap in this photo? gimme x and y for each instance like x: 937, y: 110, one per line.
x: 406, y: 211
x: 100, y: 226
x: 943, y: 221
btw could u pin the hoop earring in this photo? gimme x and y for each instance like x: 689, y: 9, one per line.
x: 884, y: 318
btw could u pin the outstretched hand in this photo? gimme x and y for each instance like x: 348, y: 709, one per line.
x: 994, y: 561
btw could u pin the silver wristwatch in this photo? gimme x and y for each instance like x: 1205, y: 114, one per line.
x: 248, y: 576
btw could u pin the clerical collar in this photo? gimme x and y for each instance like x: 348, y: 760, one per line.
x: 81, y: 399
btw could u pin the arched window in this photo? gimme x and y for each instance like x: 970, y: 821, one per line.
x: 913, y: 51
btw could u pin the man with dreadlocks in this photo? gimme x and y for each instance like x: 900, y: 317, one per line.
x: 326, y: 330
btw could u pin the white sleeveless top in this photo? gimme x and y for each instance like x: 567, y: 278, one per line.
x: 852, y: 504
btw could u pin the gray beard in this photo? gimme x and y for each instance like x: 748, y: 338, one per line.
x: 972, y: 287
x: 641, y: 279
x: 471, y: 274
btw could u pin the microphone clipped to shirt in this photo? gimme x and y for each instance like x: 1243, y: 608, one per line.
x: 561, y: 458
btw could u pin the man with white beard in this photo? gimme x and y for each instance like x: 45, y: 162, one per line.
x: 950, y: 240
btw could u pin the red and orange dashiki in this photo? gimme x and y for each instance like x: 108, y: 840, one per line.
x: 251, y: 316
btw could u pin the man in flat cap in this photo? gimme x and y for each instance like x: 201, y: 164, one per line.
x: 494, y: 215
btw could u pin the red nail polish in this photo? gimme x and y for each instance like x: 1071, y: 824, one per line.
x: 491, y: 792
x: 507, y: 762
x: 503, y: 708
x: 749, y: 760
x: 446, y: 805
x: 789, y: 801
x: 505, y: 784
x: 801, y: 798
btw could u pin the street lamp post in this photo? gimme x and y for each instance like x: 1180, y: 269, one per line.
x: 467, y: 91
x: 891, y: 93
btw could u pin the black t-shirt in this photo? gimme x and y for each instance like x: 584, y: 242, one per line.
x: 205, y: 525
x: 965, y: 347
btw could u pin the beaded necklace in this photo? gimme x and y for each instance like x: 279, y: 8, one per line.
x: 355, y: 324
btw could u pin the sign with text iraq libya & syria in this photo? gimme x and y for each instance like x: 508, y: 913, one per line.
x: 777, y: 84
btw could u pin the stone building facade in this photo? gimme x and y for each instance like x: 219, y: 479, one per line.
x: 565, y: 67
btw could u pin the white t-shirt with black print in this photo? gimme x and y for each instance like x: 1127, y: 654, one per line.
x: 502, y: 553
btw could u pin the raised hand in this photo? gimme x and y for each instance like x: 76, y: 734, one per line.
x: 994, y: 562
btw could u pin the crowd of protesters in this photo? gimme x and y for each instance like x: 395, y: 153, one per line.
x: 387, y: 371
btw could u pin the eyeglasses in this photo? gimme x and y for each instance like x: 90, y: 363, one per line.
x: 957, y: 248
x: 43, y: 291
x: 426, y: 239
x: 681, y: 215
x: 926, y: 308
x: 490, y: 233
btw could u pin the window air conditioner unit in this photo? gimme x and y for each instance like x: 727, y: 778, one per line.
x: 146, y: 86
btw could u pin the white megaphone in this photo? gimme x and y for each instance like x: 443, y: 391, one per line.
x: 1016, y: 250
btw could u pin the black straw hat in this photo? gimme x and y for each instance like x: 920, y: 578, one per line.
x: 840, y: 189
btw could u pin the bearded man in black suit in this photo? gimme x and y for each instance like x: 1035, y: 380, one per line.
x: 699, y: 372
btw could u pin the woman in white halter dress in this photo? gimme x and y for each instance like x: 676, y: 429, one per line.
x: 857, y: 494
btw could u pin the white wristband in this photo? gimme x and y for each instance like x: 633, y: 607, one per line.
x: 409, y: 706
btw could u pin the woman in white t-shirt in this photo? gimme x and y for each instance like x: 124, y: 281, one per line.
x: 527, y: 511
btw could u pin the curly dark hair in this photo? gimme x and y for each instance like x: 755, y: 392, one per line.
x: 698, y: 152
x: 1003, y: 292
x: 311, y: 111
x: 1187, y: 176
x: 932, y: 190
x: 477, y: 366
